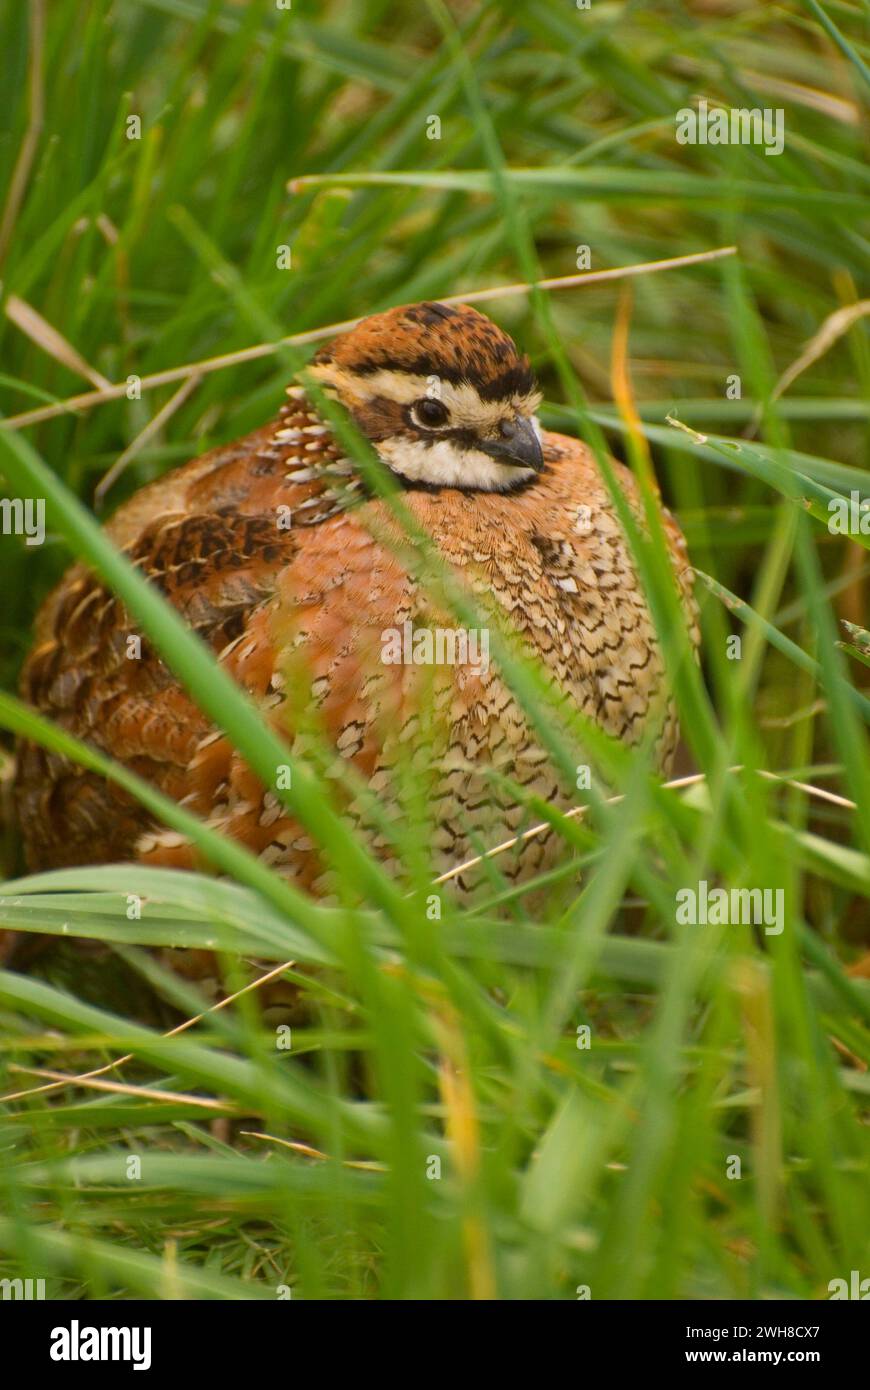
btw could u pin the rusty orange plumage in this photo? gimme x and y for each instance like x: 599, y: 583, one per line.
x: 274, y: 552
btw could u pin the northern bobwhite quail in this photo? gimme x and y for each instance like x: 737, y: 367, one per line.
x: 266, y: 547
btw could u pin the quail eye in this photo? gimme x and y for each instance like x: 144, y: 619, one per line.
x: 429, y: 412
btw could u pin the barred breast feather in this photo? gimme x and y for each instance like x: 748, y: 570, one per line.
x: 272, y: 554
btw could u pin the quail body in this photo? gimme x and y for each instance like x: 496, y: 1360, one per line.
x: 278, y: 556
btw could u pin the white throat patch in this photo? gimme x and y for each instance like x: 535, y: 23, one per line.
x: 444, y: 464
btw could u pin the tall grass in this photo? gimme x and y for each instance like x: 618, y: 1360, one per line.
x: 437, y: 1127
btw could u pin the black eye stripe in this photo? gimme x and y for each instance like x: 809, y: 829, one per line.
x: 462, y: 439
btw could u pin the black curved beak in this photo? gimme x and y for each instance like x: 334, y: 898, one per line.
x: 517, y: 444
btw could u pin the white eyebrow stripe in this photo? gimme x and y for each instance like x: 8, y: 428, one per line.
x: 467, y: 410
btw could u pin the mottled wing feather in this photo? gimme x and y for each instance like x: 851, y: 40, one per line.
x: 297, y: 615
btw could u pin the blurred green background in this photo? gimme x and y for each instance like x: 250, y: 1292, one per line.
x: 561, y: 1168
